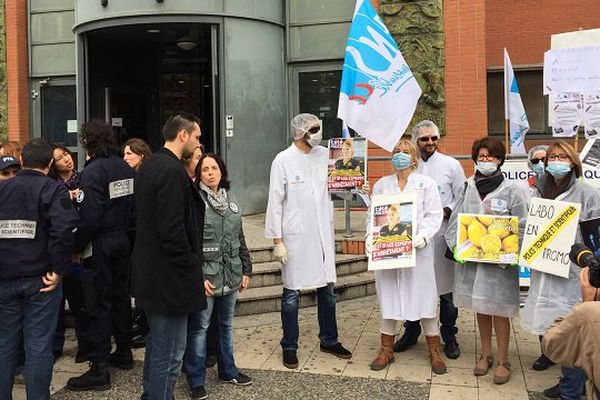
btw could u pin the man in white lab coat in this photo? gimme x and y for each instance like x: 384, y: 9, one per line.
x: 300, y: 222
x: 450, y: 178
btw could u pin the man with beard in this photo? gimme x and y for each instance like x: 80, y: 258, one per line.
x: 168, y: 283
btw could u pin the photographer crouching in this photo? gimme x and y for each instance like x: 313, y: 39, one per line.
x: 573, y: 340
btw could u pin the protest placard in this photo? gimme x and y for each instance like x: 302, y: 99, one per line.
x: 591, y: 115
x: 549, y: 233
x: 488, y: 238
x: 572, y: 69
x: 393, y: 221
x: 347, y: 168
x: 568, y: 111
x: 590, y: 161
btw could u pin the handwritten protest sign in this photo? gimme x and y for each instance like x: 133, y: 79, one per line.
x: 572, y: 69
x: 488, y: 238
x: 347, y: 166
x: 393, y: 223
x: 549, y: 234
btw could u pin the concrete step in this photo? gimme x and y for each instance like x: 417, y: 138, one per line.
x: 269, y: 273
x: 268, y: 299
x: 263, y: 254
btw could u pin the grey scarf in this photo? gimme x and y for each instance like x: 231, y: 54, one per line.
x: 218, y: 201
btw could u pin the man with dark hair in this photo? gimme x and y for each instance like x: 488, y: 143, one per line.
x: 167, y: 255
x: 105, y: 205
x: 37, y: 220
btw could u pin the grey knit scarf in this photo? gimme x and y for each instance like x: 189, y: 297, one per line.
x: 218, y: 200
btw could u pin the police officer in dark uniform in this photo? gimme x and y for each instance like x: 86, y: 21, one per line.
x: 105, y: 205
x: 37, y: 220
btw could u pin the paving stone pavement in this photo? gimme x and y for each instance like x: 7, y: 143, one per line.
x: 321, y: 375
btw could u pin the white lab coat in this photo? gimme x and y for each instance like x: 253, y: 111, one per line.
x: 450, y: 178
x: 300, y: 212
x: 411, y: 293
x: 552, y: 296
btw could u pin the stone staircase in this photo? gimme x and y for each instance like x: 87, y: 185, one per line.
x: 264, y: 293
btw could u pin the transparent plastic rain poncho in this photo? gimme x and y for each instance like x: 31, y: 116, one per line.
x: 552, y: 296
x: 301, y: 123
x: 490, y: 289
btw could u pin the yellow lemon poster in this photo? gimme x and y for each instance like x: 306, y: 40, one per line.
x: 488, y: 238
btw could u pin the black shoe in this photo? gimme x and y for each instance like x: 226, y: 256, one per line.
x: 542, y: 363
x: 81, y: 357
x: 290, y: 359
x: 337, y: 350
x: 240, y: 380
x: 554, y: 392
x: 138, y: 341
x: 211, y: 361
x: 405, y: 342
x: 121, y: 359
x: 198, y: 393
x: 97, y: 378
x: 452, y: 350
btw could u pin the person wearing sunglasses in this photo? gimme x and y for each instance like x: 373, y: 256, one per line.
x: 535, y: 161
x: 551, y: 296
x: 450, y: 179
x: 299, y: 220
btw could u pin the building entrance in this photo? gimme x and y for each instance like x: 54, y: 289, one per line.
x: 138, y: 75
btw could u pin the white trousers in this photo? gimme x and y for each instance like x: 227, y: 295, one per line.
x: 431, y: 326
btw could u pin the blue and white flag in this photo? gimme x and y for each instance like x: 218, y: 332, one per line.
x: 378, y: 93
x: 514, y: 111
x: 345, y: 131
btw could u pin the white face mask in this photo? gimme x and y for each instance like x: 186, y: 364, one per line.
x: 315, y: 139
x: 487, y: 168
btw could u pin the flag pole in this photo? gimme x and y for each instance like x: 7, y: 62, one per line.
x: 506, y: 113
x: 506, y: 138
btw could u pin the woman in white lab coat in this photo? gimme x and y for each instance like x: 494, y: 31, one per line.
x: 411, y: 293
x: 490, y: 290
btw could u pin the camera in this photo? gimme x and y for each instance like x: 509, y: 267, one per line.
x: 584, y: 257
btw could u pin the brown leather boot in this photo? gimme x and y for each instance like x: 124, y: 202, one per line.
x: 438, y: 365
x: 385, y: 356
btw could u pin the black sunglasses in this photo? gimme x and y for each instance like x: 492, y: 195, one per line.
x: 426, y: 139
x: 314, y: 129
x: 534, y: 161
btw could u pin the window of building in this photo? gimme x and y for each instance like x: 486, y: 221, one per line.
x: 535, y: 103
x: 58, y: 107
x: 318, y: 94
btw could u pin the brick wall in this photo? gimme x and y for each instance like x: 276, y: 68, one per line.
x: 17, y: 70
x: 3, y: 93
x: 524, y: 27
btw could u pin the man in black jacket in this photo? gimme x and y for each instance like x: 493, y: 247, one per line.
x: 37, y: 220
x: 167, y: 255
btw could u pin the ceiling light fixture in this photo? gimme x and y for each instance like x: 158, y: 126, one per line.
x: 186, y: 43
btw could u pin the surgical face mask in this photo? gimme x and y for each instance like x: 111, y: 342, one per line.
x: 401, y: 161
x: 558, y: 169
x: 315, y: 139
x: 486, y: 168
x: 538, y: 168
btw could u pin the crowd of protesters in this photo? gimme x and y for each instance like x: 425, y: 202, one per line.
x: 165, y: 229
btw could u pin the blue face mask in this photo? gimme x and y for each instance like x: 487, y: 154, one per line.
x: 538, y: 168
x: 558, y: 169
x: 487, y: 168
x: 401, y: 161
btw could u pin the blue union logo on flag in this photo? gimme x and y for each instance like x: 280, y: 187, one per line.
x: 378, y: 92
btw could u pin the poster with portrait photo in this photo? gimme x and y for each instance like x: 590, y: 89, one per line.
x: 347, y: 168
x: 393, y: 221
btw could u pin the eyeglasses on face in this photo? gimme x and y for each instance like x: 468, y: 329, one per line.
x: 428, y: 138
x: 534, y: 161
x: 559, y: 157
x: 314, y: 129
x: 485, y: 157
